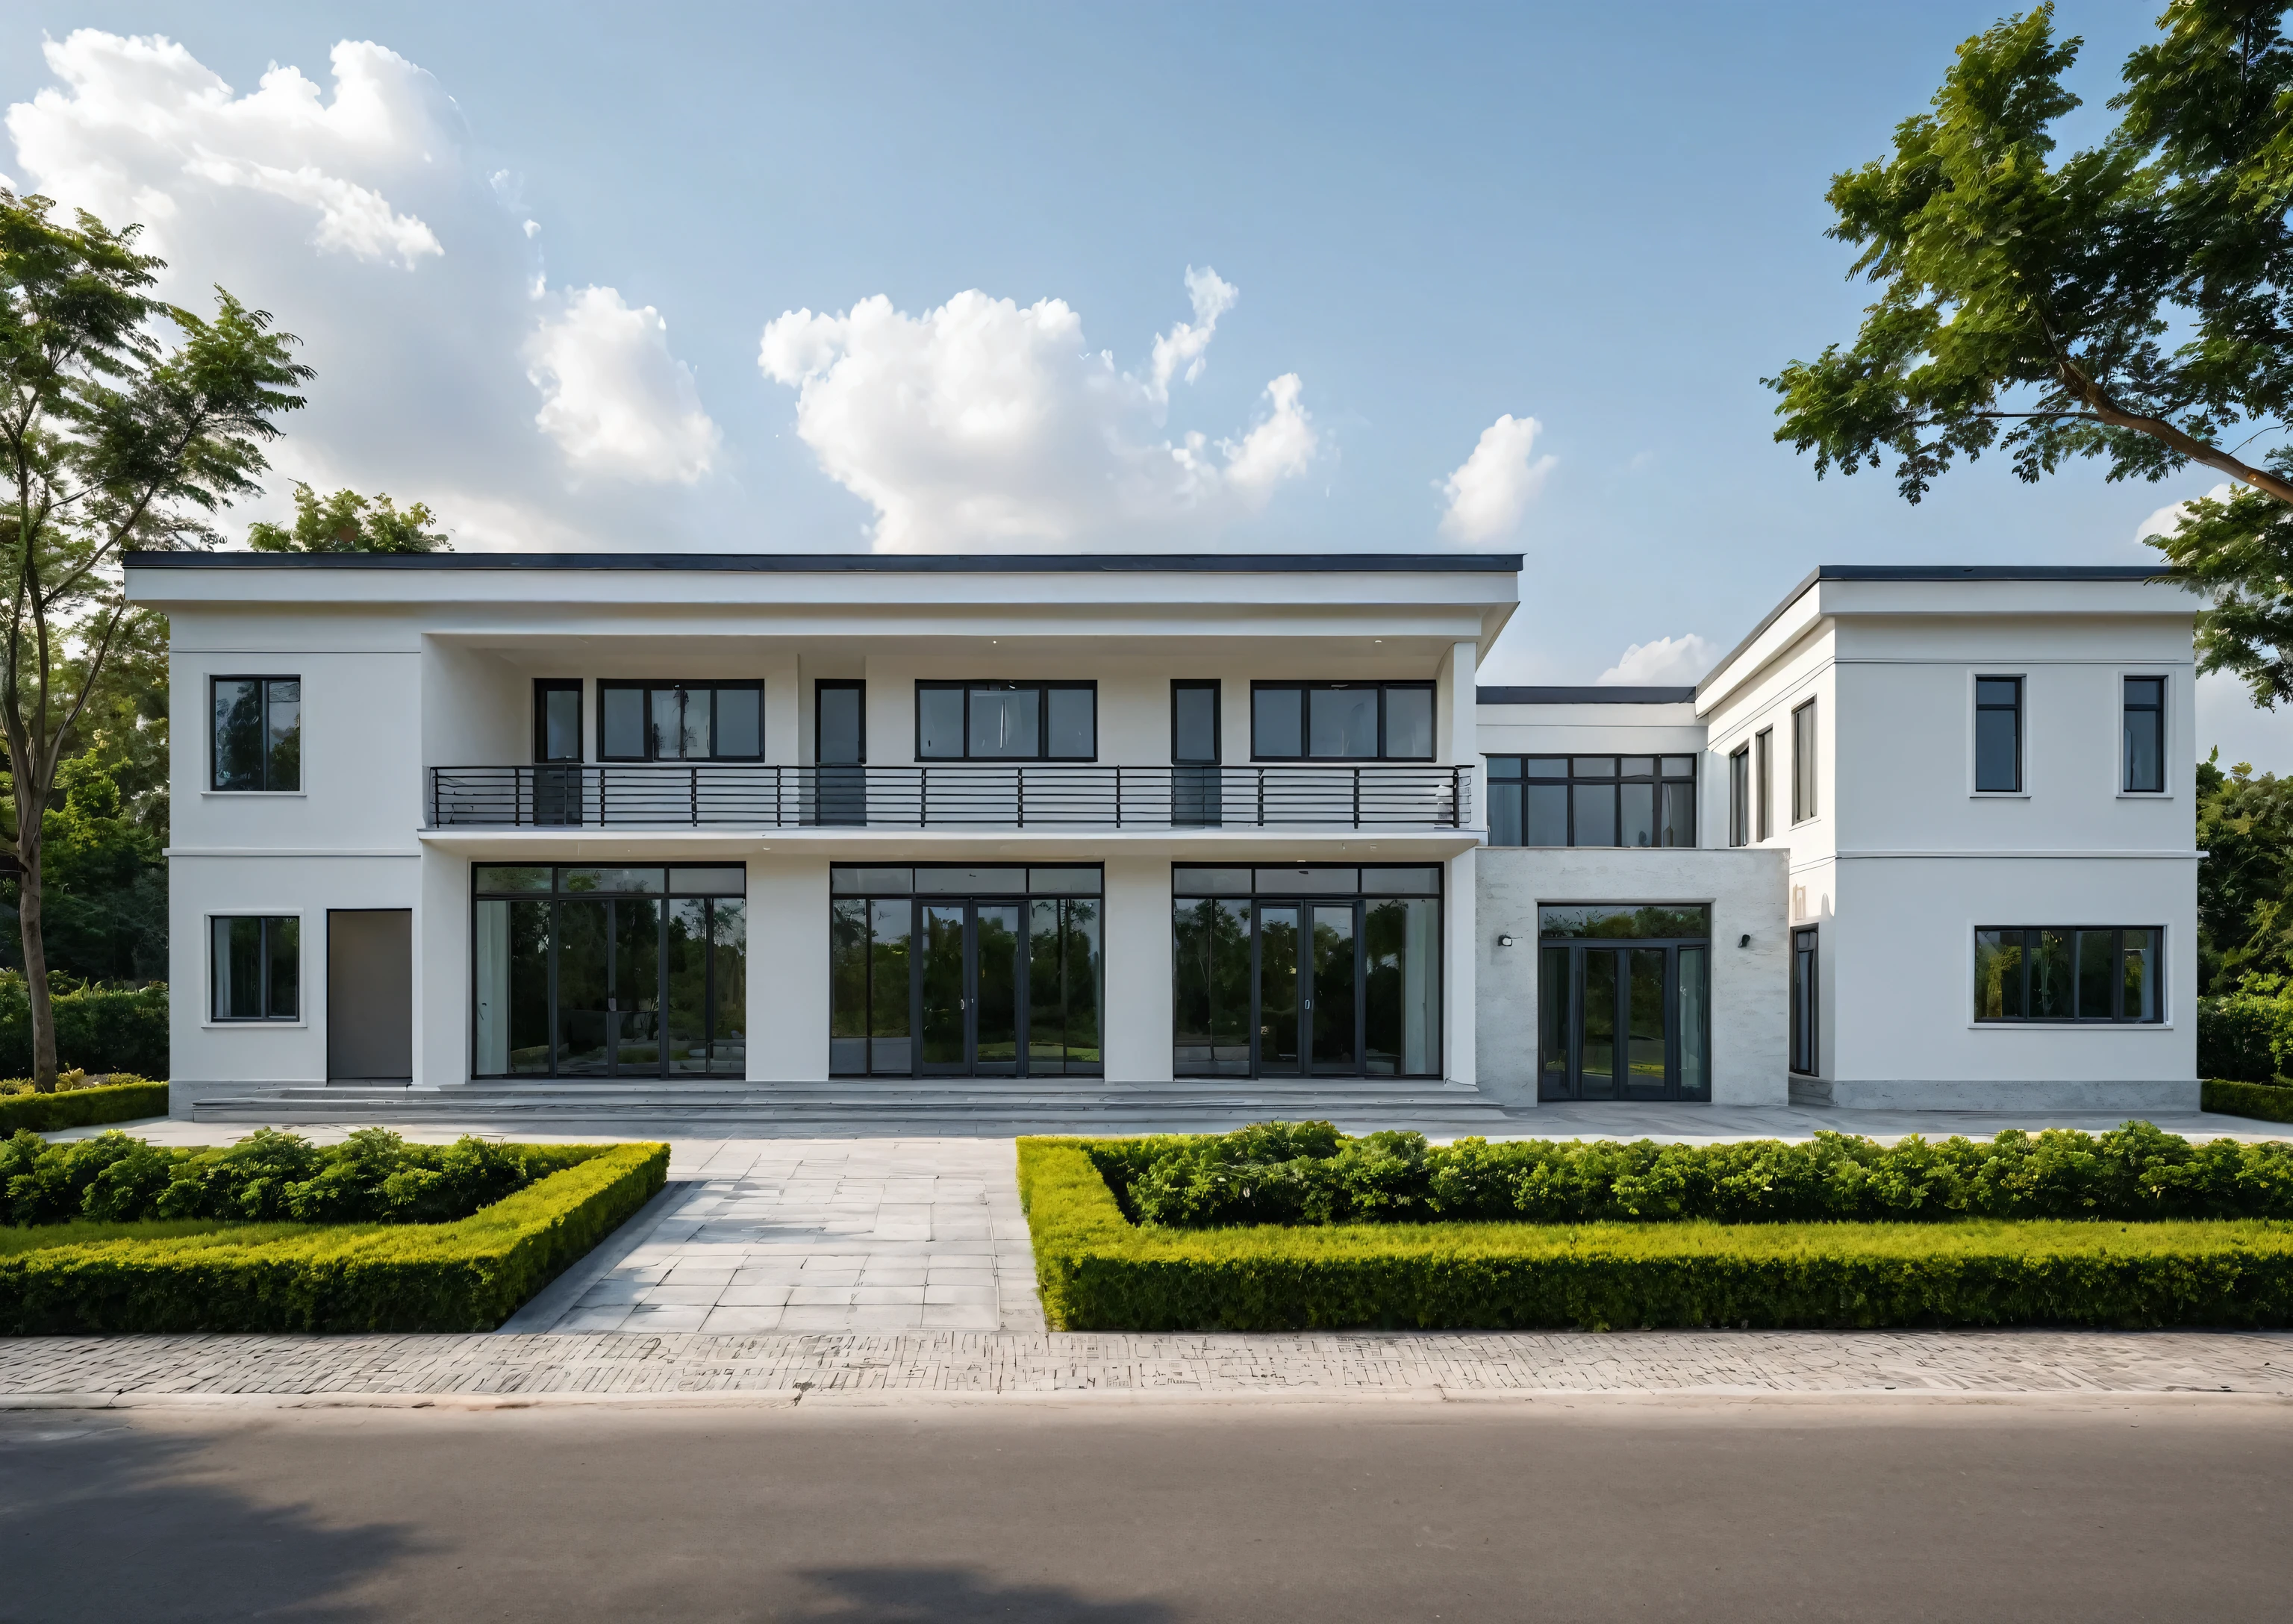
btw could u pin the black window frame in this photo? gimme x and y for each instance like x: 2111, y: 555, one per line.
x: 646, y: 686
x: 216, y: 971
x: 1806, y: 1037
x: 1510, y: 770
x: 544, y: 686
x: 1043, y: 686
x: 2077, y: 934
x: 1763, y: 783
x: 1804, y: 796
x: 2022, y: 731
x: 214, y: 741
x: 822, y: 685
x: 1306, y: 719
x: 2127, y: 711
x: 1214, y: 688
x: 1739, y: 796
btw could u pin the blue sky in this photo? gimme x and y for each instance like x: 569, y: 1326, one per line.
x: 1431, y: 219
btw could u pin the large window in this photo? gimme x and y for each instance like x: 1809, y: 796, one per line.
x: 680, y: 721
x: 629, y: 971
x: 1306, y: 971
x: 557, y: 719
x: 256, y: 962
x: 2144, y: 731
x: 1999, y: 734
x: 2069, y: 973
x: 257, y: 732
x: 1806, y: 1053
x: 1739, y: 796
x: 1007, y: 720
x: 1592, y: 800
x: 1342, y: 721
x: 1623, y: 995
x: 1803, y: 761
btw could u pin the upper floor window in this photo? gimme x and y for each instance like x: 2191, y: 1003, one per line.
x: 2145, y: 736
x: 1007, y: 720
x: 1764, y: 780
x: 1803, y: 761
x: 258, y: 732
x: 1739, y: 796
x: 1592, y: 800
x: 680, y: 721
x: 839, y: 723
x: 557, y: 719
x: 1194, y: 723
x: 1999, y: 734
x: 1342, y: 721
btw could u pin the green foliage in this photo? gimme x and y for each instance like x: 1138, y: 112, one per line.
x: 105, y: 917
x: 348, y: 522
x: 98, y: 1029
x: 2245, y: 884
x: 1310, y: 1174
x: 1097, y: 1271
x: 2244, y: 1036
x: 467, y: 1275
x: 2239, y: 549
x: 373, y: 1176
x: 47, y: 1113
x: 2265, y: 1101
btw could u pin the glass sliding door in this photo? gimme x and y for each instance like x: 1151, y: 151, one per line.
x: 1337, y: 1046
x: 1596, y: 1021
x: 1211, y: 986
x: 585, y: 989
x: 1063, y: 977
x: 1401, y: 987
x: 1278, y: 1046
x: 945, y: 996
x: 1624, y: 1002
x: 997, y: 946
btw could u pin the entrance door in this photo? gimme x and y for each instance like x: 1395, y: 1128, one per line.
x: 1624, y: 1022
x: 371, y: 995
x: 609, y: 968
x: 968, y: 977
x: 1309, y: 1008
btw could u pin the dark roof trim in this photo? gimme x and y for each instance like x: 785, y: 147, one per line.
x: 885, y: 563
x: 1931, y: 573
x: 1618, y: 694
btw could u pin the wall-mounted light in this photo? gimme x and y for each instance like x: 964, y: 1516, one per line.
x: 1744, y: 940
x: 1504, y: 941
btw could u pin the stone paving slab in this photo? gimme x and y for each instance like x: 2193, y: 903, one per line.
x: 89, y: 1370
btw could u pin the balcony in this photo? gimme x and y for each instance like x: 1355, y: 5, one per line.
x: 959, y: 795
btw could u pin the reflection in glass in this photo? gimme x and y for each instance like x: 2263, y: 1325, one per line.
x: 2145, y: 734
x: 495, y: 878
x: 584, y: 988
x: 1063, y: 987
x: 2140, y: 977
x: 1553, y: 1024
x: 739, y: 720
x: 685, y: 965
x: 1997, y: 733
x: 2049, y: 953
x: 1639, y: 801
x: 635, y: 1022
x: 1333, y: 988
x: 1276, y: 723
x: 1072, y: 733
x: 940, y: 981
x: 1644, y: 1005
x: 1598, y: 920
x: 282, y: 734
x: 1504, y: 814
x: 891, y: 923
x: 1695, y: 1024
x: 1597, y: 1045
x: 998, y: 942
x: 1409, y: 724
x: 939, y: 724
x: 1595, y: 806
x: 2097, y: 974
x: 1277, y: 989
x: 847, y: 986
x: 237, y: 723
x: 620, y: 724
x: 511, y: 951
x: 1006, y: 723
x: 1547, y: 815
x: 1210, y: 940
x: 1401, y: 987
x: 1343, y: 721
x: 1997, y: 976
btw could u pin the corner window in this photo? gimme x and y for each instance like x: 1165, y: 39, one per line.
x: 1194, y: 723
x: 2069, y: 973
x: 680, y: 721
x: 1739, y: 796
x: 557, y: 719
x: 2144, y: 730
x: 1764, y: 780
x: 839, y: 723
x: 1592, y: 800
x: 1342, y: 721
x: 257, y: 964
x: 257, y: 732
x: 1007, y: 720
x: 1998, y: 735
x: 1804, y: 762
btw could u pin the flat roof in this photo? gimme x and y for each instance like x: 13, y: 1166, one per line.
x: 1616, y: 693
x: 888, y: 563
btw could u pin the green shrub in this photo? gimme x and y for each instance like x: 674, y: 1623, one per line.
x: 1310, y: 1172
x: 1098, y: 1271
x: 2263, y: 1101
x: 98, y: 1029
x: 46, y: 1113
x: 2238, y: 1036
x: 467, y: 1275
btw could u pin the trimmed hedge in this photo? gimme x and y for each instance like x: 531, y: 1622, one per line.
x: 44, y: 1113
x: 2266, y: 1101
x: 98, y: 1029
x: 464, y: 1276
x: 1098, y: 1271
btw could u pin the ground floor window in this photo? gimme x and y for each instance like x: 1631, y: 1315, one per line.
x: 257, y: 967
x: 633, y: 971
x: 955, y: 970
x: 1623, y: 998
x: 1321, y: 971
x: 1804, y: 1057
x: 2065, y: 973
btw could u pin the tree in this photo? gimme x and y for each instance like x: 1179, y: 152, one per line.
x: 348, y: 522
x: 2245, y: 885
x: 2133, y: 302
x: 109, y: 438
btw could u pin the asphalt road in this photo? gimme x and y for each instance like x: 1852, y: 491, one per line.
x: 1716, y: 1511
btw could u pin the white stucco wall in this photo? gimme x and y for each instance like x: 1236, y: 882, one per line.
x: 1750, y: 985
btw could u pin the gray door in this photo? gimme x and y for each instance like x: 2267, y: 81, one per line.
x: 371, y: 995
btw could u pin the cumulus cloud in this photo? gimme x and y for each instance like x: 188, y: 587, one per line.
x: 1667, y: 662
x: 357, y: 213
x: 1491, y: 490
x: 982, y: 422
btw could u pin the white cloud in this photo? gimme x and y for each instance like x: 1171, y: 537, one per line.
x: 982, y: 422
x: 1667, y: 662
x: 613, y: 397
x: 358, y: 213
x: 1491, y: 490
x: 2167, y: 519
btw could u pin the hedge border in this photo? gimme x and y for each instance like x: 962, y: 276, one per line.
x: 465, y: 1276
x: 2264, y: 1101
x: 45, y: 1113
x: 1099, y: 1272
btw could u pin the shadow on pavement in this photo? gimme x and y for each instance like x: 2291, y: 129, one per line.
x: 957, y: 1596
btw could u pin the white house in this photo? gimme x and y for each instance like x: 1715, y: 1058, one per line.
x: 692, y: 827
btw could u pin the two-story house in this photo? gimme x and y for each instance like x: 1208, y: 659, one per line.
x: 663, y: 825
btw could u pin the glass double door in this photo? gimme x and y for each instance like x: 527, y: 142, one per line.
x: 1623, y: 1023
x: 968, y: 977
x: 1308, y: 1015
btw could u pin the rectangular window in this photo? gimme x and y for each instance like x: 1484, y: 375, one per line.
x: 1592, y: 800
x: 1007, y: 720
x: 1194, y: 723
x: 1998, y: 735
x: 1739, y: 796
x: 668, y: 721
x: 257, y: 732
x: 556, y: 719
x: 1804, y: 762
x: 2060, y: 973
x: 839, y: 723
x: 2145, y: 736
x: 257, y: 967
x: 1764, y: 780
x: 1342, y: 721
x: 1803, y: 1047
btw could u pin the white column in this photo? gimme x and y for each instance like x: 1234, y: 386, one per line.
x: 1136, y: 1021
x: 788, y: 969
x: 1459, y: 968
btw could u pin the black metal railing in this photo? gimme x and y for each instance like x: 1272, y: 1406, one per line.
x: 957, y: 796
